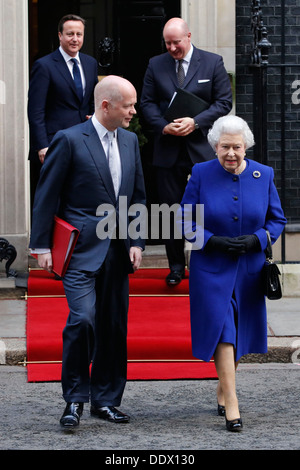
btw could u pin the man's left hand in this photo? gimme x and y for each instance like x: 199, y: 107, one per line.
x: 135, y: 254
x: 180, y: 127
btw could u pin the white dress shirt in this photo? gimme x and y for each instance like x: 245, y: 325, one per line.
x: 68, y: 60
x: 186, y: 61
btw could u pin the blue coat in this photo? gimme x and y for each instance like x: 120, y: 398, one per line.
x: 233, y: 206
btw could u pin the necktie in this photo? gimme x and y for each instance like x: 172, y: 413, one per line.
x: 77, y: 79
x: 114, y: 161
x: 180, y: 73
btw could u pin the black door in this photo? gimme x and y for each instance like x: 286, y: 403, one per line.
x: 133, y: 27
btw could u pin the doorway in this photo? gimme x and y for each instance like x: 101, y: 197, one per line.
x: 133, y: 26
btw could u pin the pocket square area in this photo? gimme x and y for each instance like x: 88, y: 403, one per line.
x: 204, y: 80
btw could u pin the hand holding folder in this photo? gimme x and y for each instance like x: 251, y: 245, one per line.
x: 64, y: 240
x: 184, y: 104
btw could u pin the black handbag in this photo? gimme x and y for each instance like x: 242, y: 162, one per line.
x: 270, y: 274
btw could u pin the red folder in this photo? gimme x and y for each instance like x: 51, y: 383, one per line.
x: 64, y: 240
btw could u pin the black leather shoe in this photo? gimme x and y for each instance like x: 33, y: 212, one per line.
x: 174, y: 278
x: 110, y: 413
x: 71, y: 415
x: 221, y: 410
x: 234, y: 425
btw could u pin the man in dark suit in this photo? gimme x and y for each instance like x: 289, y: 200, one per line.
x: 181, y: 143
x: 54, y: 102
x: 76, y: 177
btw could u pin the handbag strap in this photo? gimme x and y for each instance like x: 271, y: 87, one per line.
x: 268, y: 250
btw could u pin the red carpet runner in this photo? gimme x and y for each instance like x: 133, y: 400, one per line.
x: 159, y: 344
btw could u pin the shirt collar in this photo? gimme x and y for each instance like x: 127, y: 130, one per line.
x: 101, y: 130
x: 67, y: 57
x: 188, y: 56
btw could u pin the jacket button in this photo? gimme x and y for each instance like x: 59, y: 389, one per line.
x: 235, y: 198
x: 235, y: 218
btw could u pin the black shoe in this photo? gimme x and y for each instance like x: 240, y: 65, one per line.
x: 110, y: 413
x: 71, y: 415
x: 234, y: 425
x: 221, y: 410
x: 174, y: 278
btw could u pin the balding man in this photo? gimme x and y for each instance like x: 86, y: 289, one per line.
x: 78, y: 178
x: 181, y: 143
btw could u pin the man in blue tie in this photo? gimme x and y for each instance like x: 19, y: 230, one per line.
x: 60, y: 91
x: 77, y: 78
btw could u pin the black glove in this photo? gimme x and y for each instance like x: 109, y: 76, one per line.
x: 225, y: 245
x: 250, y: 242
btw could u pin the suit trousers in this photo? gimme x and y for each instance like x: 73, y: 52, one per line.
x: 96, y: 332
x: 171, y: 184
x: 35, y: 168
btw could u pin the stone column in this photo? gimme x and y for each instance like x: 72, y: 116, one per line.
x: 212, y: 24
x: 14, y: 170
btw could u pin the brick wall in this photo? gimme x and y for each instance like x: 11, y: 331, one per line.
x: 272, y: 18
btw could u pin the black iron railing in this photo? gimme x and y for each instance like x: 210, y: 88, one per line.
x: 260, y: 66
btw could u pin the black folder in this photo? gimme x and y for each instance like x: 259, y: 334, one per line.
x: 184, y: 104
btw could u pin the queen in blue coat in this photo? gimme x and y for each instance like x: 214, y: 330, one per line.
x: 240, y: 202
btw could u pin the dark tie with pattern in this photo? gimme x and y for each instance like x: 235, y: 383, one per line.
x: 180, y: 73
x: 77, y: 79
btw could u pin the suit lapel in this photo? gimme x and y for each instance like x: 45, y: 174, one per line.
x: 97, y: 154
x: 89, y: 77
x: 124, y: 156
x: 171, y: 70
x: 193, y: 67
x: 63, y: 69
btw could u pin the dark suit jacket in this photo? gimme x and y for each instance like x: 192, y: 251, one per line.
x: 207, y: 78
x: 75, y: 179
x: 53, y: 103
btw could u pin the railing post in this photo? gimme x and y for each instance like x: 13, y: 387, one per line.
x: 259, y: 62
x: 259, y: 66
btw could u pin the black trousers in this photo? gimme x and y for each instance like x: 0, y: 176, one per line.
x: 96, y: 332
x: 35, y: 168
x: 171, y: 183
